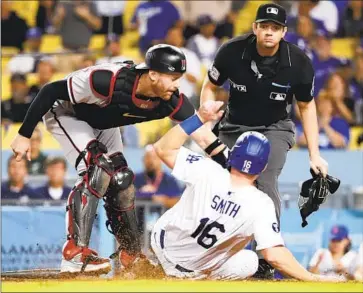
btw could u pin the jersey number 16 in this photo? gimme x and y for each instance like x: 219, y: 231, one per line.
x: 205, y: 239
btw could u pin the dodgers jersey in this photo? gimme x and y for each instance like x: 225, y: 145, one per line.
x: 212, y: 221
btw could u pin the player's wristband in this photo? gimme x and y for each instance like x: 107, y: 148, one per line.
x: 191, y: 124
x: 209, y: 149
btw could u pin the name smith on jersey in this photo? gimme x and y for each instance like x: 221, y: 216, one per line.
x: 224, y: 206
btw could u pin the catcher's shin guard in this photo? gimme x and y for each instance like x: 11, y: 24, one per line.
x: 83, y: 199
x: 120, y: 209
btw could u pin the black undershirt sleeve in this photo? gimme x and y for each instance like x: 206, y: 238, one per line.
x: 42, y: 103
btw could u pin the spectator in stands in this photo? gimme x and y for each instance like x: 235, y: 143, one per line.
x: 38, y: 158
x: 45, y: 72
x: 14, y: 109
x: 87, y: 61
x: 220, y: 11
x: 27, y: 62
x: 356, y: 88
x: 358, y: 273
x: 153, y: 19
x: 338, y: 259
x: 55, y: 188
x: 130, y: 136
x: 204, y: 44
x: 112, y: 50
x: 44, y: 16
x: 15, y: 187
x: 353, y: 20
x: 13, y: 28
x: 343, y: 105
x: 334, y: 131
x: 324, y: 63
x: 153, y: 184
x: 75, y: 21
x: 305, y: 30
x: 112, y: 13
x: 325, y: 11
x: 189, y: 81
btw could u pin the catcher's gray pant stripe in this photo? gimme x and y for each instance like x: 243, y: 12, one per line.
x: 73, y: 135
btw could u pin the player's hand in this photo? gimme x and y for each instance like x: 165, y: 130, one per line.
x: 210, y: 111
x: 318, y: 164
x: 21, y: 147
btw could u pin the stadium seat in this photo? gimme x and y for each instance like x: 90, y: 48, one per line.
x: 354, y: 133
x: 343, y: 48
x: 48, y: 143
x: 26, y: 10
x: 51, y: 43
x: 150, y: 131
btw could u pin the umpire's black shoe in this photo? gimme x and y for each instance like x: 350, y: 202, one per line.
x: 265, y: 271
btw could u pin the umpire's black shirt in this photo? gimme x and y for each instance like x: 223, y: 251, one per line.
x: 261, y: 88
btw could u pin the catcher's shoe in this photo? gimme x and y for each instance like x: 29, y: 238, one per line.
x: 82, y: 260
x: 127, y: 260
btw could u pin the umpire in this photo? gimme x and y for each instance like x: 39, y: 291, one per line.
x: 265, y: 73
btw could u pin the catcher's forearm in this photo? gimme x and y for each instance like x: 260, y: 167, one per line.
x: 310, y: 125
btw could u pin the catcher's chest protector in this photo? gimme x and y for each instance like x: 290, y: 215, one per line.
x: 120, y: 105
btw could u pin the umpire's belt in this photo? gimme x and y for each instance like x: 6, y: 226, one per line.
x: 178, y: 267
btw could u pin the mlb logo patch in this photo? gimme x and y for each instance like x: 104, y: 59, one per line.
x: 277, y: 96
x: 272, y: 10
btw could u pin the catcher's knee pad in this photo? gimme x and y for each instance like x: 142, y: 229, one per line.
x: 121, y: 192
x: 100, y: 168
x: 119, y: 205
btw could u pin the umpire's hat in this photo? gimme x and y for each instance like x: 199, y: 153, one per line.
x: 271, y: 12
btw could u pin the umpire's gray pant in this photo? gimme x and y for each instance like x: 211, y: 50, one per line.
x: 281, y: 136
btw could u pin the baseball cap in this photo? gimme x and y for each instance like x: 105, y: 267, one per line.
x: 338, y: 232
x: 204, y: 19
x: 271, y: 12
x: 34, y: 33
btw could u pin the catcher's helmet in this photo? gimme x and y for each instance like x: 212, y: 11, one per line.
x: 164, y: 58
x: 250, y: 153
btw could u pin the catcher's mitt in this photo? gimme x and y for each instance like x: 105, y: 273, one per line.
x: 314, y: 192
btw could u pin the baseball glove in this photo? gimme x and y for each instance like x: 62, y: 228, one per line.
x: 314, y: 192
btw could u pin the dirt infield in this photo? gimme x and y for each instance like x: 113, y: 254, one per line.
x: 115, y: 285
x: 151, y: 279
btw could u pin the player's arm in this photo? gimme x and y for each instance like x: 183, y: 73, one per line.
x: 217, y: 75
x: 304, y: 94
x: 168, y: 146
x: 204, y: 137
x: 284, y: 261
x: 271, y: 245
x: 41, y: 104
